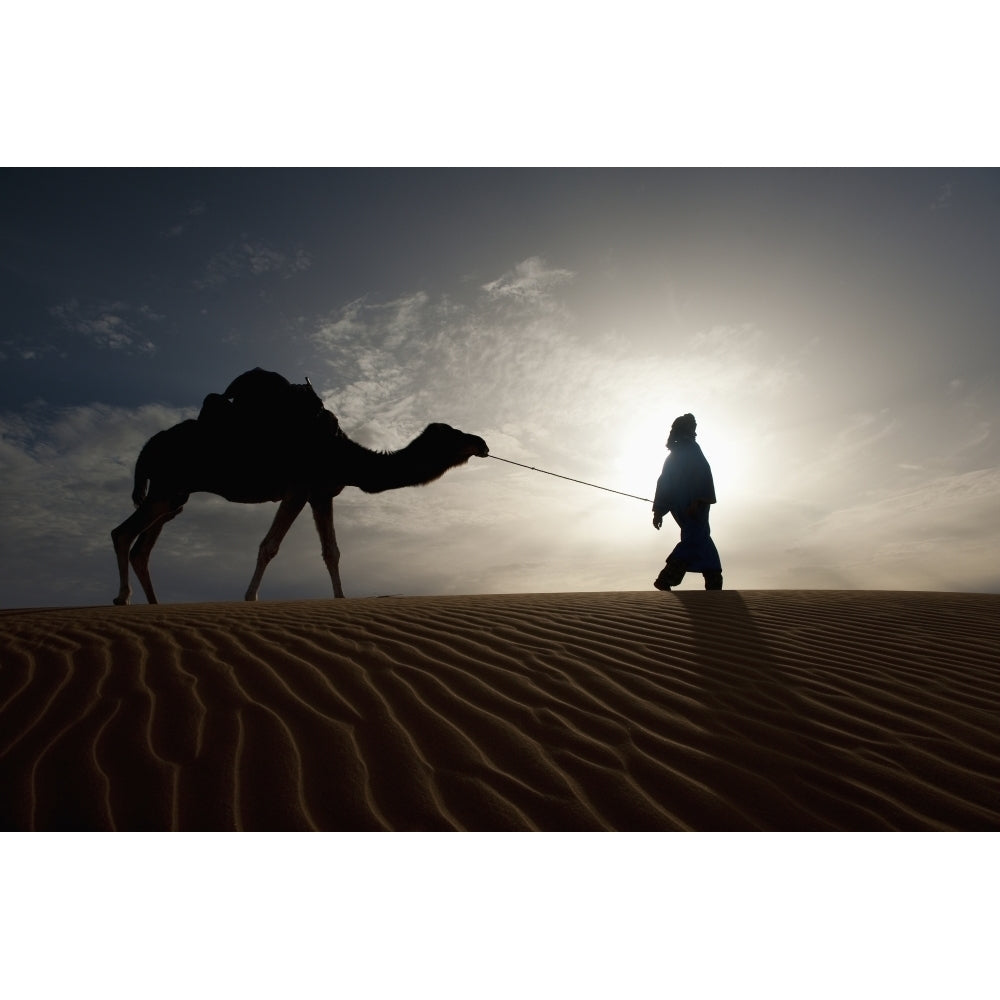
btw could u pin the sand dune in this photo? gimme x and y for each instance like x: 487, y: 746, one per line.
x: 779, y: 710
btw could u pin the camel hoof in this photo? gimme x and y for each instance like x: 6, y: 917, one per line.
x: 121, y: 601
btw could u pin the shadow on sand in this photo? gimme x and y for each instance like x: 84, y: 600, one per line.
x: 784, y: 777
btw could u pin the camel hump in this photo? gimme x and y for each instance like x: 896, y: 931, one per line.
x: 268, y: 396
x: 264, y: 407
x: 257, y: 385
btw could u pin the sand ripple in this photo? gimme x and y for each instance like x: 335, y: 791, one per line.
x: 622, y: 711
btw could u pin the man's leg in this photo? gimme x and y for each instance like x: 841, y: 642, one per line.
x: 671, y: 574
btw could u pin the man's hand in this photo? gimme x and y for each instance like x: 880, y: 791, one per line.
x: 657, y: 521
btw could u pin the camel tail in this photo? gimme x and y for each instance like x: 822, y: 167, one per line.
x: 140, y: 487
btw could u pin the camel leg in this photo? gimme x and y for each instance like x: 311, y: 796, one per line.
x: 323, y: 516
x: 139, y: 555
x: 288, y: 510
x: 147, y: 515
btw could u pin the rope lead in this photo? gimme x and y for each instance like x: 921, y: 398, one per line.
x: 571, y: 479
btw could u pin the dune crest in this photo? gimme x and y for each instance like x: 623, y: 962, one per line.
x: 781, y: 710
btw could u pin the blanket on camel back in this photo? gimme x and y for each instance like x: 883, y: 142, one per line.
x: 260, y: 406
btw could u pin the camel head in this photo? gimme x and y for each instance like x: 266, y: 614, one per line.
x: 451, y: 444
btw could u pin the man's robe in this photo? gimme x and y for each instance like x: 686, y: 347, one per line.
x: 686, y: 478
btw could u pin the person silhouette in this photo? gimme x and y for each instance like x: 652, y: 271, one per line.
x: 686, y: 490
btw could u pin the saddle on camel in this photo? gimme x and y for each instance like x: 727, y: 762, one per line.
x: 261, y: 406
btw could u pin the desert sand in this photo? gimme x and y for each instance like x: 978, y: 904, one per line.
x: 691, y: 710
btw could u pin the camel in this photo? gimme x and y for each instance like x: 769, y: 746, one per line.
x: 308, y: 459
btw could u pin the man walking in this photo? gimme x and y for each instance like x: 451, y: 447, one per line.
x: 685, y: 490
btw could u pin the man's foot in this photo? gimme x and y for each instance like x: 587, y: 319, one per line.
x: 713, y: 581
x: 660, y: 585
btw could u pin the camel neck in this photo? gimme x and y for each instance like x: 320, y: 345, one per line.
x: 377, y: 471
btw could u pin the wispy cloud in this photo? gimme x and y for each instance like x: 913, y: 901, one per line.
x: 517, y: 362
x: 65, y: 480
x: 253, y: 258
x: 115, y: 326
x: 179, y: 228
x: 941, y: 534
x: 943, y: 199
x: 13, y: 348
x: 531, y: 280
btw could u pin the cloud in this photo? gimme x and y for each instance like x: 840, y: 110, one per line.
x: 521, y: 365
x: 114, y: 326
x: 251, y: 257
x: 943, y: 199
x: 66, y: 481
x: 945, y: 429
x: 178, y: 229
x: 17, y: 350
x: 731, y: 356
x: 940, y: 535
x: 531, y: 281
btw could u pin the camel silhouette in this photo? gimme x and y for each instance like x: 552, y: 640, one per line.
x: 294, y: 454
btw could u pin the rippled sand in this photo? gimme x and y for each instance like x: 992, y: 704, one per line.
x: 782, y: 710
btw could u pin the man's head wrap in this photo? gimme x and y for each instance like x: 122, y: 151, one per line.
x: 683, y: 429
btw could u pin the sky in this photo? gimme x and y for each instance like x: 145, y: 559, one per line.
x: 832, y: 330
